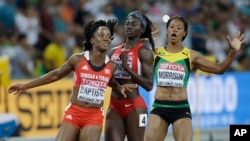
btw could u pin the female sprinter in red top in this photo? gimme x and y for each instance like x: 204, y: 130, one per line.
x: 128, y: 116
x: 92, y: 73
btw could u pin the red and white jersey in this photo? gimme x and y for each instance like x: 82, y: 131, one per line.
x: 92, y: 84
x: 133, y: 61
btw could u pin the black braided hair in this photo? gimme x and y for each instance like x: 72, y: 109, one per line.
x: 148, y: 30
x: 90, y: 28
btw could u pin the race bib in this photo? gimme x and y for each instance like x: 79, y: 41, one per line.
x: 170, y: 78
x: 143, y: 120
x: 120, y: 72
x: 91, y: 94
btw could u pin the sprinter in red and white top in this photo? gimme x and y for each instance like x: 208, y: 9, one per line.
x: 128, y: 116
x: 92, y: 74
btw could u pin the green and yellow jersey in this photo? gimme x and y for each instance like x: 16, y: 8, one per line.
x: 172, y: 69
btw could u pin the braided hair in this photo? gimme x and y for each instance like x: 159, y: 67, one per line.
x: 90, y: 28
x: 145, y: 23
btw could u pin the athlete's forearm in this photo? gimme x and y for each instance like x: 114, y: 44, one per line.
x: 228, y: 61
x: 114, y: 84
x: 43, y: 80
x: 146, y: 83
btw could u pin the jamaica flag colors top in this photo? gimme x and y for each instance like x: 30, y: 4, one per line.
x: 172, y: 69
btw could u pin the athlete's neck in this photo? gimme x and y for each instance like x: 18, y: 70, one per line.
x: 173, y: 49
x: 131, y: 43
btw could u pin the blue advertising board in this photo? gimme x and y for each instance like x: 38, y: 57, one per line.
x: 216, y: 101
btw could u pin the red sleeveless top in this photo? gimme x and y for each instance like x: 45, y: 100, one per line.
x: 92, y: 84
x: 133, y: 61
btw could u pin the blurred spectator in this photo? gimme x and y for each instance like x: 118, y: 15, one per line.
x: 81, y: 15
x: 106, y: 13
x: 129, y: 6
x: 39, y: 20
x: 63, y: 23
x: 164, y: 6
x: 23, y: 64
x: 78, y: 47
x: 66, y: 11
x: 198, y: 32
x: 60, y: 25
x: 46, y: 10
x: 243, y: 63
x: 1, y: 42
x: 243, y: 23
x: 94, y: 6
x: 119, y: 36
x: 155, y: 14
x: 119, y: 11
x: 27, y: 23
x: 39, y: 68
x: 55, y: 53
x: 7, y: 15
x: 8, y: 45
x: 245, y: 8
x: 239, y: 3
x: 217, y: 44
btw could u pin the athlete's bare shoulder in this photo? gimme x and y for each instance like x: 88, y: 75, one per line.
x: 114, y: 65
x: 145, y: 52
x: 112, y: 50
x: 75, y: 58
x: 81, y: 54
x: 195, y: 55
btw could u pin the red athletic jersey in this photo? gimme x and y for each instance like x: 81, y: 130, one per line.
x: 133, y: 61
x: 92, y: 84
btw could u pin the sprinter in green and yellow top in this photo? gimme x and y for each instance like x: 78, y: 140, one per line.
x: 172, y: 66
x: 172, y: 69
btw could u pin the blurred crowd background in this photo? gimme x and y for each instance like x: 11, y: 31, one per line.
x: 39, y: 35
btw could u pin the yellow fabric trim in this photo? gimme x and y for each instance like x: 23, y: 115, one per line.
x: 173, y: 57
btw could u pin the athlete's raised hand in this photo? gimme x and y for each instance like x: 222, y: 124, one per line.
x: 155, y: 30
x: 237, y: 40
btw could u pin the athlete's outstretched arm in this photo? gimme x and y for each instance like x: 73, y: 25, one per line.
x: 47, y: 78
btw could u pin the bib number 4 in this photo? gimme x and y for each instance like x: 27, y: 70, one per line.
x: 143, y: 120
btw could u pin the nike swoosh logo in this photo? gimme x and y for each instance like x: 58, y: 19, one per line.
x: 187, y: 113
x: 127, y: 105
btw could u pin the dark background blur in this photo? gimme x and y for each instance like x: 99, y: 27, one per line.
x: 34, y: 32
